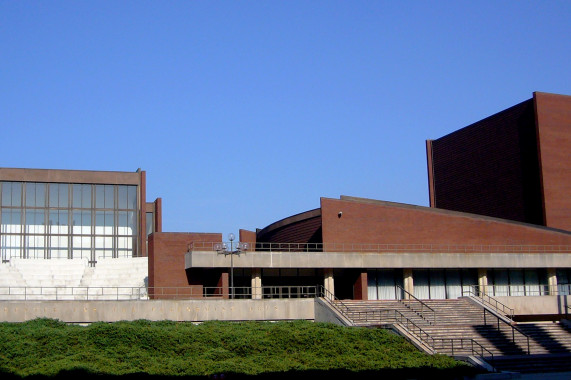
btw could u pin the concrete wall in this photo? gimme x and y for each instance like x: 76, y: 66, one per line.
x: 364, y: 260
x: 175, y: 310
x: 537, y: 305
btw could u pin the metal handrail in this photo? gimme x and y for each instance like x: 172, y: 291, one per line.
x: 473, y: 290
x: 381, y: 247
x: 472, y: 349
x: 423, y: 305
x: 125, y: 293
x: 523, y: 290
x: 486, y: 299
x: 332, y: 300
x: 426, y: 338
x: 513, y: 327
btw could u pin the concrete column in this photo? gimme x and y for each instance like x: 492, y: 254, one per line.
x: 223, y: 285
x: 328, y: 282
x: 361, y: 291
x: 552, y: 281
x: 483, y: 280
x: 408, y: 282
x: 256, y: 284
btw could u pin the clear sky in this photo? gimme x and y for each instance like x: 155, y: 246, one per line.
x: 246, y: 112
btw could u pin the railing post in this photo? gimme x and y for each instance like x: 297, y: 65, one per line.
x: 513, y: 333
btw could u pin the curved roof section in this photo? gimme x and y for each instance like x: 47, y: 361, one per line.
x: 304, y: 227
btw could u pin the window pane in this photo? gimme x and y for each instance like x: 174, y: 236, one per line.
x: 76, y: 221
x: 53, y: 189
x: 99, y: 222
x: 122, y: 197
x: 16, y: 220
x: 109, y: 196
x: 30, y: 221
x: 133, y: 197
x: 132, y: 223
x: 30, y: 194
x: 40, y: 195
x: 516, y: 282
x: 6, y: 194
x: 63, y: 221
x: 86, y: 196
x: 86, y: 222
x: 53, y: 221
x: 76, y: 196
x: 122, y: 223
x: 421, y: 288
x: 109, y: 222
x: 6, y: 220
x: 99, y: 196
x: 16, y: 194
x: 63, y: 195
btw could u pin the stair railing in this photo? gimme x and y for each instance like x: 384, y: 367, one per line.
x: 334, y: 302
x: 474, y: 291
x: 407, y: 324
x: 513, y: 327
x: 423, y: 306
x: 421, y: 334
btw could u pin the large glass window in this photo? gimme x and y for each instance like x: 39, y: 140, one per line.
x: 442, y: 284
x: 564, y: 281
x: 68, y: 220
x: 517, y: 282
x: 12, y: 194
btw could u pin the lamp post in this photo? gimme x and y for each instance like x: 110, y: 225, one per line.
x: 222, y: 248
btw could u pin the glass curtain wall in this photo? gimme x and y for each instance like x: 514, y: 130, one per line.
x: 563, y: 281
x: 62, y: 220
x: 442, y: 283
x: 518, y: 282
x: 428, y: 283
x: 382, y: 284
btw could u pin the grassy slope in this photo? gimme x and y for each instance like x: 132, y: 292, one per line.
x: 48, y: 347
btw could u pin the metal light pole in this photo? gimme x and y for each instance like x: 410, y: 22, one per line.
x: 223, y: 249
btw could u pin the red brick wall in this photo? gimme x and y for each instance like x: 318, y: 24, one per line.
x: 360, y: 289
x: 166, y: 258
x: 248, y: 237
x: 365, y: 221
x: 490, y: 167
x: 553, y: 113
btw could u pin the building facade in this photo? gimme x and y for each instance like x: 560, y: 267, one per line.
x: 498, y: 222
x: 55, y: 214
x: 512, y: 165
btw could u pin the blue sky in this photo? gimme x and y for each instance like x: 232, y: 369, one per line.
x: 246, y: 112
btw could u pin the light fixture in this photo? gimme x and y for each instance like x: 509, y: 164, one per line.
x: 222, y: 248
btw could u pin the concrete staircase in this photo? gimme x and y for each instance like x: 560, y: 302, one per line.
x: 463, y: 328
x: 12, y: 284
x: 73, y: 279
x: 50, y: 273
x: 117, y: 278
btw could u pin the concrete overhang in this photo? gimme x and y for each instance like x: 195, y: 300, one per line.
x: 210, y: 259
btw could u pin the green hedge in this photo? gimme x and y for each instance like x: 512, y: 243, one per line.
x: 213, y: 349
